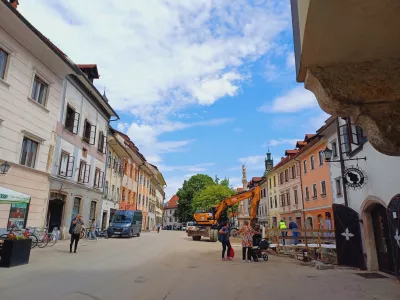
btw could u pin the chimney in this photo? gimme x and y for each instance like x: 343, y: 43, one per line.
x: 14, y: 3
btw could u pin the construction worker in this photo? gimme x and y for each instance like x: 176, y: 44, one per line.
x: 282, y: 225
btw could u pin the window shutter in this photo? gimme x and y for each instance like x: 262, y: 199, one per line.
x: 76, y: 123
x: 87, y: 174
x: 104, y: 143
x: 92, y: 138
x: 70, y: 166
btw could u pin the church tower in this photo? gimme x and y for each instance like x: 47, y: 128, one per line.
x: 269, y: 163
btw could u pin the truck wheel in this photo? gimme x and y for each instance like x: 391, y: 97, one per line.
x: 213, y: 235
x: 196, y: 238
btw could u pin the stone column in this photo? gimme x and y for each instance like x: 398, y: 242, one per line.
x: 369, y: 92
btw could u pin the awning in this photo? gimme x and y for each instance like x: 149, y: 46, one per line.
x: 9, y: 197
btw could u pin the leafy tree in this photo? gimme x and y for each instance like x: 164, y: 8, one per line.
x: 187, y: 192
x: 211, y: 195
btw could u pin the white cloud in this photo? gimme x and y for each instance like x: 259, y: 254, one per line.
x: 159, y: 56
x: 295, y: 100
x: 146, y: 137
x: 281, y: 141
x: 290, y: 60
x: 192, y: 168
x: 238, y: 130
x: 254, y: 162
x: 315, y: 122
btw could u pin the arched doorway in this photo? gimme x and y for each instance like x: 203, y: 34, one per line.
x: 55, y: 211
x: 382, y: 240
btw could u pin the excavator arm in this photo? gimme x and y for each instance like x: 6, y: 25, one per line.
x: 254, y: 194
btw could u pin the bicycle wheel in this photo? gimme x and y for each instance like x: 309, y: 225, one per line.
x: 51, y: 240
x: 42, y: 241
x: 34, y: 240
x: 3, y: 237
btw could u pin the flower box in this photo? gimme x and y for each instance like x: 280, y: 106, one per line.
x: 15, y: 253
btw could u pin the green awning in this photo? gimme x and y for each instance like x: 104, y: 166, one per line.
x: 9, y: 197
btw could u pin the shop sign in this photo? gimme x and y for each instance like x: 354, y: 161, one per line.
x: 354, y: 177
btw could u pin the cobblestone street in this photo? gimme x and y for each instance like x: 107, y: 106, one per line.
x: 171, y: 266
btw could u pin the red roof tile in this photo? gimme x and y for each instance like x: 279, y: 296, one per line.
x: 289, y: 152
x: 173, y: 202
x: 300, y: 144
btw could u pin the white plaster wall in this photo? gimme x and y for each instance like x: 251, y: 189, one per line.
x: 169, y: 213
x: 21, y: 116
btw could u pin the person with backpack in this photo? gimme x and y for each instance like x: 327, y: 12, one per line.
x: 75, y: 231
x: 223, y: 237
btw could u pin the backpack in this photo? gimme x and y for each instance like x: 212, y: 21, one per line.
x: 220, y: 237
x: 78, y: 228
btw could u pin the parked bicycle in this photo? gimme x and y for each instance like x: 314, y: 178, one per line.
x: 44, y: 237
x: 19, y: 232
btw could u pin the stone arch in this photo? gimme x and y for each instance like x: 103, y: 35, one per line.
x: 368, y: 230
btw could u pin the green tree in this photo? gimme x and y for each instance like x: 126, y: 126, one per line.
x: 187, y: 192
x: 211, y: 195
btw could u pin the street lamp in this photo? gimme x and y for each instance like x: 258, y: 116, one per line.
x: 4, y: 167
x: 328, y: 155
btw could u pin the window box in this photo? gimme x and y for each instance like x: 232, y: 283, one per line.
x: 15, y: 253
x: 314, y: 197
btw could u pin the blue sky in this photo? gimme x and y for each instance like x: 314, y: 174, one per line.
x: 201, y: 86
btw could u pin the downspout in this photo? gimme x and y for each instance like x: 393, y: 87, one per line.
x: 342, y: 166
x: 301, y: 187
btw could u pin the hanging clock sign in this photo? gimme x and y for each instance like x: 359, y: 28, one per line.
x: 354, y: 177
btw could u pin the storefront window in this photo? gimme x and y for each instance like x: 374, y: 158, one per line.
x: 17, y: 216
x: 92, y: 210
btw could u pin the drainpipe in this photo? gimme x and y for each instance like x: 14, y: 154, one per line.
x: 342, y: 166
x: 301, y: 187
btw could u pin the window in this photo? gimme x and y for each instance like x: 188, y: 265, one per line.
x: 144, y: 181
x: 148, y: 183
x: 129, y: 196
x: 92, y: 214
x: 109, y: 157
x: 98, y: 178
x: 281, y: 178
x: 296, y: 197
x: 118, y: 195
x: 29, y: 152
x: 84, y: 172
x: 270, y: 202
x: 265, y: 193
x: 39, y: 91
x: 89, y: 133
x: 270, y: 183
x: 334, y: 149
x: 76, y: 208
x: 288, y: 198
x: 281, y: 200
x: 321, y: 157
x: 102, y: 144
x: 126, y: 167
x: 276, y: 202
x: 131, y: 171
x: 361, y: 137
x: 286, y: 175
x: 338, y: 184
x: 136, y: 174
x: 140, y: 197
x: 106, y: 190
x: 307, y: 194
x: 274, y: 181
x: 314, y: 188
x: 140, y: 179
x: 115, y: 164
x: 323, y: 188
x: 312, y: 162
x: 305, y: 166
x: 345, y: 138
x: 293, y: 171
x: 112, y: 192
x: 3, y: 63
x: 66, y: 165
x: 72, y: 120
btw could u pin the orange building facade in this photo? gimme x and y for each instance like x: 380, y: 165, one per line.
x: 316, y: 186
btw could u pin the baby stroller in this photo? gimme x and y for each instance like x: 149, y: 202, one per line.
x: 260, y: 247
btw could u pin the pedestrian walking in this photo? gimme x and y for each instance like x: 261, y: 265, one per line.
x: 92, y: 230
x: 158, y: 228
x: 282, y: 225
x: 247, y: 233
x: 75, y: 231
x: 223, y: 237
x: 293, y: 226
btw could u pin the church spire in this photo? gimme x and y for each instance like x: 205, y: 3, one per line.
x: 269, y: 163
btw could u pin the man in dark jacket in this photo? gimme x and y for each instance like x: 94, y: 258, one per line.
x: 224, y: 239
x: 293, y: 226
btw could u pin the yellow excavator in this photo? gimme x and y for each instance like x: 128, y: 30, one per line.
x: 207, y: 224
